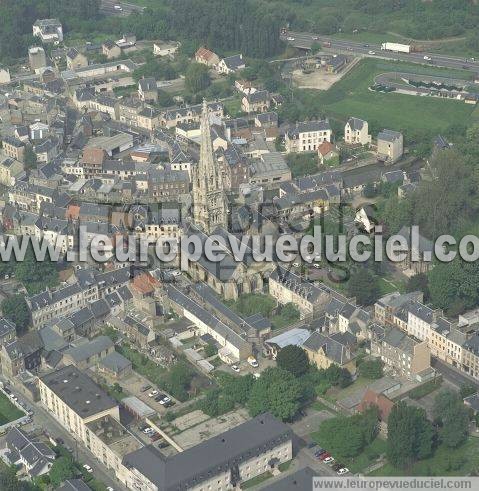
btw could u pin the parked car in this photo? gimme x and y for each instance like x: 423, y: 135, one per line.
x: 337, y: 466
x: 109, y: 488
x: 153, y: 393
x: 235, y: 368
x: 253, y: 362
x: 145, y: 388
x: 343, y: 470
x: 165, y: 400
x: 87, y: 468
x: 324, y: 456
x: 328, y: 460
x: 290, y: 38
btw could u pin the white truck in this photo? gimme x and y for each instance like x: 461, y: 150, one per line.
x: 396, y: 47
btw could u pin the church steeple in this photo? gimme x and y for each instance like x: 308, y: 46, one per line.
x: 210, y: 209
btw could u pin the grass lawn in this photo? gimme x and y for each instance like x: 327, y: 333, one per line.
x: 256, y: 480
x: 232, y: 106
x: 335, y: 393
x: 8, y: 412
x: 445, y: 462
x: 319, y: 406
x: 142, y: 364
x: 367, y: 457
x: 401, y: 112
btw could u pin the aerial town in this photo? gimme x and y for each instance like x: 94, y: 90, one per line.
x: 129, y: 129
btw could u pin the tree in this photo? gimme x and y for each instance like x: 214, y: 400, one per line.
x: 293, y: 359
x: 16, y: 309
x: 371, y: 369
x: 30, y: 158
x: 237, y: 388
x: 63, y: 468
x: 363, y: 285
x: 410, y: 435
x: 454, y: 286
x: 467, y: 390
x: 450, y: 411
x: 197, y: 78
x: 8, y: 478
x: 276, y: 391
x: 35, y: 274
x: 419, y: 282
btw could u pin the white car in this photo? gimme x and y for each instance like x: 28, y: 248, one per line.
x: 372, y: 52
x: 176, y: 273
x: 343, y: 470
x: 118, y: 7
x: 427, y: 58
x: 87, y: 468
x: 296, y: 265
x: 328, y: 460
x: 147, y: 430
x: 317, y: 266
x: 315, y: 38
x: 253, y: 363
x: 153, y: 393
x: 109, y: 488
x: 289, y: 38
x: 165, y: 400
x: 235, y: 368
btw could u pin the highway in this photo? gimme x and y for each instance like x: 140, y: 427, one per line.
x: 107, y: 7
x: 304, y: 40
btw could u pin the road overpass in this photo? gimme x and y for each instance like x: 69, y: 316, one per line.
x: 304, y: 40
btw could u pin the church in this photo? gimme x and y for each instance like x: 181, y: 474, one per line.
x: 228, y: 277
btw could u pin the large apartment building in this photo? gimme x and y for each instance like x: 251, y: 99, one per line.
x: 90, y: 415
x: 220, y: 463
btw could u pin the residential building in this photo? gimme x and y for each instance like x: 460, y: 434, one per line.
x: 356, y: 132
x: 325, y: 350
x: 222, y: 462
x: 206, y: 57
x: 256, y: 102
x: 37, y: 58
x: 328, y: 154
x: 13, y: 147
x: 110, y: 49
x: 470, y: 356
x: 36, y: 458
x: 91, y: 416
x: 7, y: 331
x: 147, y: 89
x: 48, y: 30
x: 307, y: 136
x: 87, y: 354
x: 389, y: 146
x: 75, y: 59
x: 231, y: 64
x: 10, y: 170
x: 401, y: 354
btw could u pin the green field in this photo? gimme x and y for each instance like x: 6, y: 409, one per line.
x: 8, y: 412
x: 401, y: 112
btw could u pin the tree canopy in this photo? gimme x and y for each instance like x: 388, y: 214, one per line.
x: 293, y: 359
x: 410, y: 435
x: 450, y: 411
x: 16, y: 309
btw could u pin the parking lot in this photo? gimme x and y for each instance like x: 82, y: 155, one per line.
x: 134, y: 385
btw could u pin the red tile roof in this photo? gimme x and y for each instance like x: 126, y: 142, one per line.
x: 372, y: 398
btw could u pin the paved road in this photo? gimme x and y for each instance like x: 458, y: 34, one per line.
x: 452, y: 374
x: 108, y: 7
x: 305, y: 40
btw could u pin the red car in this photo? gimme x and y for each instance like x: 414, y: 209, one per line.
x: 324, y: 455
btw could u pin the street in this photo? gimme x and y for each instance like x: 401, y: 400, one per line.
x: 304, y: 40
x: 453, y: 374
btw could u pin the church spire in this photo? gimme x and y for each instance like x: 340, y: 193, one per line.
x: 209, y: 199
